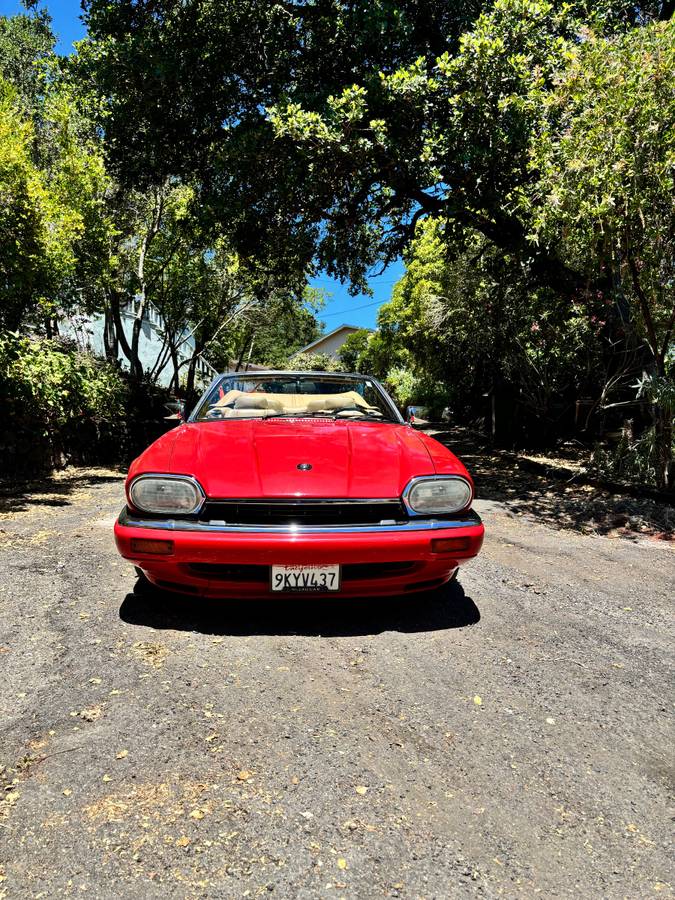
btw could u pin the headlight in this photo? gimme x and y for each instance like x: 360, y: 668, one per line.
x: 437, y: 494
x: 166, y: 494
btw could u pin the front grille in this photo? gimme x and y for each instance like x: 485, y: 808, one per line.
x: 302, y: 512
x: 258, y: 574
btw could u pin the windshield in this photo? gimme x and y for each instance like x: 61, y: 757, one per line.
x: 314, y: 395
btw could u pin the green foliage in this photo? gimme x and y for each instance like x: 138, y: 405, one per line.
x: 606, y: 163
x: 326, y: 129
x: 70, y: 236
x: 353, y: 352
x: 26, y: 55
x: 468, y: 320
x: 67, y: 406
x: 403, y: 386
x: 50, y: 207
x: 283, y: 334
x: 56, y: 387
x: 312, y: 362
x: 269, y: 327
x: 632, y: 459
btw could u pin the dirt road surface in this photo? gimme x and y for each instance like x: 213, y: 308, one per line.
x: 510, y: 736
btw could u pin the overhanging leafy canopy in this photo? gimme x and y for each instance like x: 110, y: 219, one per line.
x: 319, y: 131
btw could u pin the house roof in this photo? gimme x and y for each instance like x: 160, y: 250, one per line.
x: 323, y: 337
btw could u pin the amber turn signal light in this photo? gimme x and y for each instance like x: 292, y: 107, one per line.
x: 449, y: 545
x: 146, y: 545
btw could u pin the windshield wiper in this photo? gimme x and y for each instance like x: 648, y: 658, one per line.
x: 334, y: 416
x: 360, y: 416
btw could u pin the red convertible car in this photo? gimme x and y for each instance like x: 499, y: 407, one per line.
x: 293, y: 482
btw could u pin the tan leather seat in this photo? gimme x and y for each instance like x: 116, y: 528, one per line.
x: 241, y: 404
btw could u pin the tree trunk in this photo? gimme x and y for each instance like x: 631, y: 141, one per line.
x: 244, y: 345
x: 114, y: 305
x: 174, y: 384
x: 662, y: 414
x: 110, y: 339
x: 250, y: 354
x: 151, y: 233
x: 190, y: 392
x: 663, y: 447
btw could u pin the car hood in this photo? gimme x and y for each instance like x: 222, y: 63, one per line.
x: 260, y: 458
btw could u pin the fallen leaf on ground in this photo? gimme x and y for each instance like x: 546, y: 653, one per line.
x: 244, y: 775
x: 361, y: 789
x: 151, y: 654
x: 477, y: 700
x: 342, y: 863
x: 122, y: 754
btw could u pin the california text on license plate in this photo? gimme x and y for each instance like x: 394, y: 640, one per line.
x: 305, y: 578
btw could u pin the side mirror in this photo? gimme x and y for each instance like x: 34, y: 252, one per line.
x: 417, y: 415
x: 177, y: 411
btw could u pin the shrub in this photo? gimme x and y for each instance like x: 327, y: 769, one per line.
x: 313, y: 362
x: 632, y: 459
x: 65, y: 406
x: 408, y: 388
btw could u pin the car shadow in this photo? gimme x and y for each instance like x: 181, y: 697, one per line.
x: 446, y: 608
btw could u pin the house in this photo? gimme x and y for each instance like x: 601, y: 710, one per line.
x: 330, y: 344
x: 88, y: 330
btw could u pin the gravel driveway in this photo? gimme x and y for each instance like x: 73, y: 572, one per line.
x: 510, y: 736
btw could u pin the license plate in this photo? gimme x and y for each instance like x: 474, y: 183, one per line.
x: 295, y: 579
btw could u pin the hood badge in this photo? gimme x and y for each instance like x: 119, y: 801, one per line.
x: 304, y: 467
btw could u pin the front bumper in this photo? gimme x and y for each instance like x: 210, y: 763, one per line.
x: 197, y: 544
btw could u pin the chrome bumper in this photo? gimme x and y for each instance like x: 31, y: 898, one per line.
x: 465, y: 520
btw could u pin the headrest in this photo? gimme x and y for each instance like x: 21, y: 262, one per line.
x: 258, y: 401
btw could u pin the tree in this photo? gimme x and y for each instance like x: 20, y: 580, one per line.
x: 272, y: 332
x: 354, y: 350
x: 606, y: 158
x: 49, y: 210
x: 52, y: 179
x: 327, y: 129
x: 27, y: 55
x: 464, y: 323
